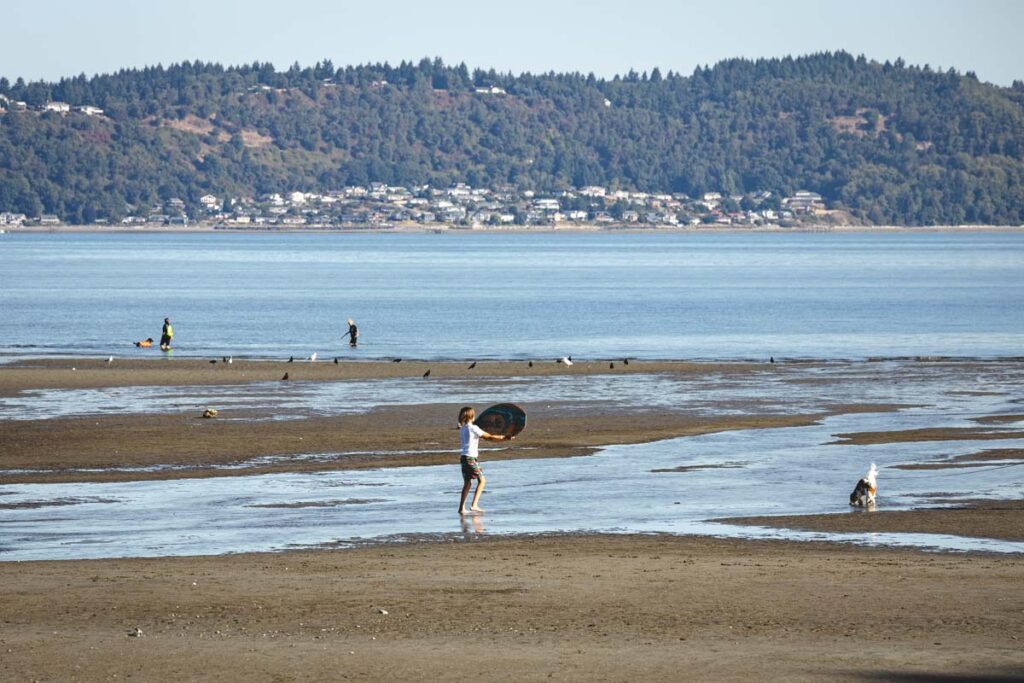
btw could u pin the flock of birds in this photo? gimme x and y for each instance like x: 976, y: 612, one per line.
x: 564, y: 360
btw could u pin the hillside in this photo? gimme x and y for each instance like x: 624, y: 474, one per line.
x: 888, y: 143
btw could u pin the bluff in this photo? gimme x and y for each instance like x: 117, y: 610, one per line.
x: 887, y: 142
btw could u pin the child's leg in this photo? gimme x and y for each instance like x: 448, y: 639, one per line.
x: 476, y: 496
x: 466, y: 483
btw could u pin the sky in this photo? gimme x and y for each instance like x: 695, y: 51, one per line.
x: 50, y: 39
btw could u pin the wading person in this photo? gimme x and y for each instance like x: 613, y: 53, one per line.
x: 352, y: 334
x: 166, y: 335
x: 470, y: 436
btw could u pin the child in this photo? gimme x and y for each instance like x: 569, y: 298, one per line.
x: 470, y: 436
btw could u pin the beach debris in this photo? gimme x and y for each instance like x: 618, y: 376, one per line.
x: 136, y: 633
x: 382, y: 611
x: 312, y: 357
x: 285, y: 376
x: 471, y: 365
x: 565, y: 360
x: 210, y: 412
x: 426, y: 374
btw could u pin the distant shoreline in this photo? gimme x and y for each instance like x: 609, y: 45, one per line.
x: 445, y: 229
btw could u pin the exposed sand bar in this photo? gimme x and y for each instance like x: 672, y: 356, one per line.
x: 594, y: 608
x: 187, y: 446
x: 1003, y: 519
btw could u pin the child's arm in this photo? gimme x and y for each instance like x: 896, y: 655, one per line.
x: 496, y: 437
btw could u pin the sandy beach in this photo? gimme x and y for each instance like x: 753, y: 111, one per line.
x: 549, y: 607
x: 594, y: 608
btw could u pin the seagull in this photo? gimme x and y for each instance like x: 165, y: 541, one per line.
x: 471, y: 365
x: 231, y: 359
x: 110, y: 359
x: 567, y: 360
x: 285, y: 376
x: 611, y: 366
x: 312, y: 358
x: 427, y: 373
x: 291, y: 359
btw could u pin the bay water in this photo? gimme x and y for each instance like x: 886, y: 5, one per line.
x: 484, y: 295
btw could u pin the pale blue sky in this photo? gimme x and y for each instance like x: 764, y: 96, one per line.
x: 53, y: 38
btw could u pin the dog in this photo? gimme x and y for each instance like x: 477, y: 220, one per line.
x: 145, y: 343
x: 864, y: 492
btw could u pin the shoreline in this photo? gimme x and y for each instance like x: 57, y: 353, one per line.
x: 443, y: 228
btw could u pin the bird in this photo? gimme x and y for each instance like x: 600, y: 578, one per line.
x: 771, y: 359
x: 312, y: 357
x: 231, y: 359
x: 285, y: 376
x: 567, y: 360
x: 223, y: 359
x: 335, y: 360
x: 291, y: 359
x: 625, y: 361
x: 531, y: 363
x: 611, y: 366
x: 213, y: 361
x: 110, y: 359
x: 427, y: 373
x: 471, y: 365
x: 396, y: 360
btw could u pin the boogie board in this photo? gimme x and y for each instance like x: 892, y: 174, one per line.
x: 505, y: 419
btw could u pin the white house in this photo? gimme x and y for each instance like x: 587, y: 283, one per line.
x: 89, y: 110
x: 491, y: 90
x: 60, y: 107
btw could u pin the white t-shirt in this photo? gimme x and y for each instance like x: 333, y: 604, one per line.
x: 470, y: 437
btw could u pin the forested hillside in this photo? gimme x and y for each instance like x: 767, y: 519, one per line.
x: 888, y: 142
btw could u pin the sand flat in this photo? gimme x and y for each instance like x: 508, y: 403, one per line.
x: 595, y: 608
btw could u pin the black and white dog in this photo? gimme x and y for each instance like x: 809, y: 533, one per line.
x: 864, y: 492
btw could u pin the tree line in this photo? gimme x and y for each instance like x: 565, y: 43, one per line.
x: 887, y: 142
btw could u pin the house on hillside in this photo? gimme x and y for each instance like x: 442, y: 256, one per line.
x: 491, y: 90
x: 89, y: 110
x: 12, y: 218
x: 804, y: 202
x: 49, y: 219
x: 59, y: 107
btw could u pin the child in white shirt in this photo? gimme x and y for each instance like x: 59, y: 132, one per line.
x: 470, y: 436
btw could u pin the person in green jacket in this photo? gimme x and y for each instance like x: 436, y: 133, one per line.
x: 166, y: 335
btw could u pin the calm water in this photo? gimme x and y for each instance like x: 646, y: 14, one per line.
x: 517, y: 295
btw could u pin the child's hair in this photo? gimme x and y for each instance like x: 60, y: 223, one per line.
x: 466, y: 415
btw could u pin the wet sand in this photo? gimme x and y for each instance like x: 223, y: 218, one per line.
x: 594, y: 608
x: 1003, y: 519
x: 88, y: 373
x: 180, y: 445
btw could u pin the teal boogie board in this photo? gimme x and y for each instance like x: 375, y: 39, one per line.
x: 506, y: 419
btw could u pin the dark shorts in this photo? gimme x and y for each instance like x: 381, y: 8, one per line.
x: 165, y: 340
x: 470, y: 468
